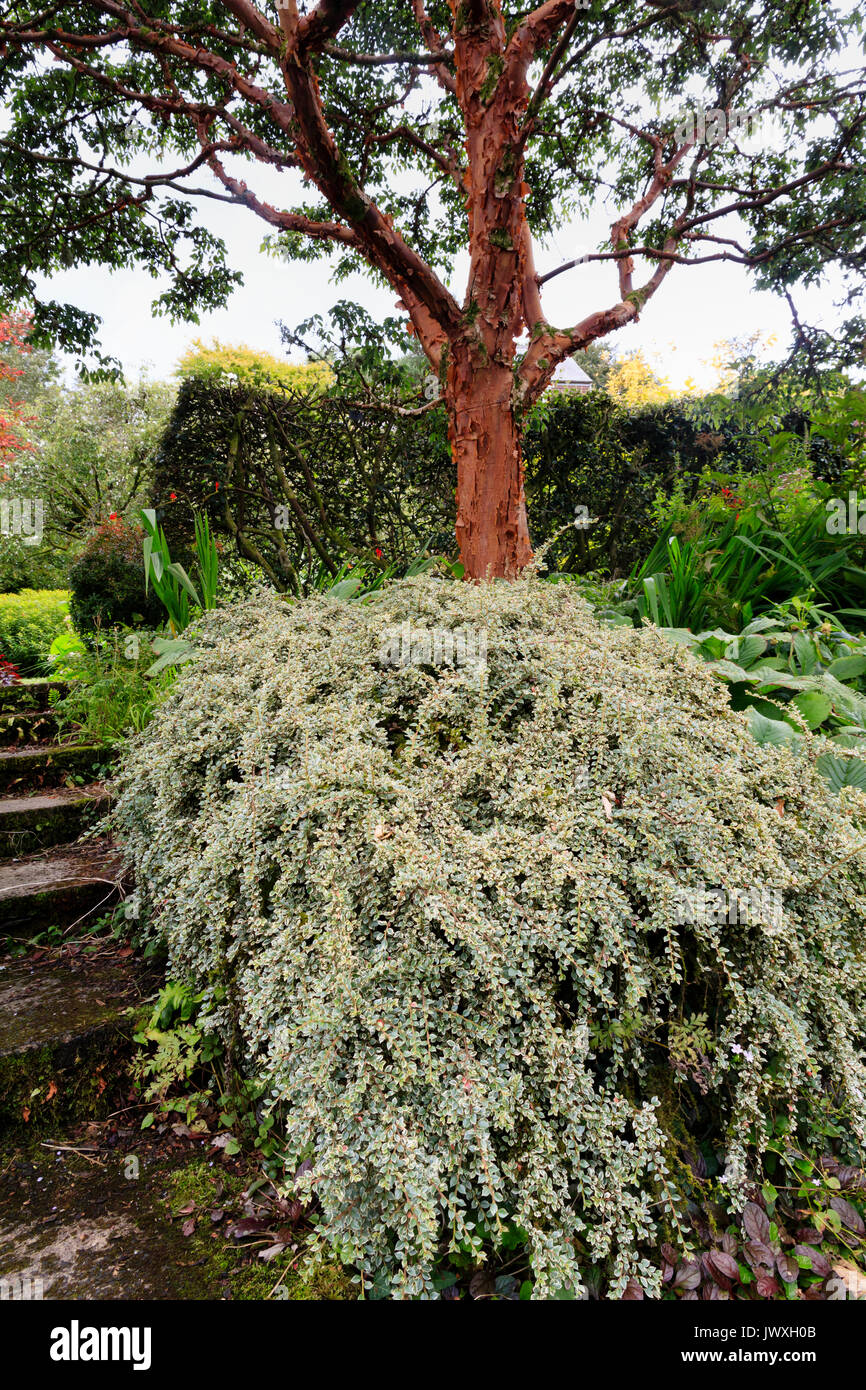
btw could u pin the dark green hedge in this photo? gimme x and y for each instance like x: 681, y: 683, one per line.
x: 301, y: 482
x: 356, y: 480
x: 589, y: 451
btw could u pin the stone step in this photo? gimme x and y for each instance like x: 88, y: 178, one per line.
x: 86, y: 1223
x: 61, y: 886
x: 66, y: 1025
x: 51, y: 765
x: 30, y: 694
x: 32, y: 822
x: 22, y: 727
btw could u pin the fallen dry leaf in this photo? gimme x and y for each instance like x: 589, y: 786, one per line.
x: 853, y: 1278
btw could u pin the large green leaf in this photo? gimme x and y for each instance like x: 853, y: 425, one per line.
x: 814, y: 705
x: 748, y: 649
x: 783, y: 680
x: 847, y: 668
x: 774, y: 732
x: 172, y: 651
x: 842, y: 772
x: 731, y: 671
x: 346, y: 588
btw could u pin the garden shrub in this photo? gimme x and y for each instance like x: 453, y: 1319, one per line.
x: 589, y: 451
x: 29, y: 622
x: 438, y: 908
x: 107, y: 581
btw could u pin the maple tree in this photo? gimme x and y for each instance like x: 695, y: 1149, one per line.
x: 14, y: 335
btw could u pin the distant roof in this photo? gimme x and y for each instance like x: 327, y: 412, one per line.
x: 569, y: 372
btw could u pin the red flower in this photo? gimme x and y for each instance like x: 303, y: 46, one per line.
x: 172, y: 497
x: 378, y: 553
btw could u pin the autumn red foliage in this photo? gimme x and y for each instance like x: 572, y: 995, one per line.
x: 14, y: 334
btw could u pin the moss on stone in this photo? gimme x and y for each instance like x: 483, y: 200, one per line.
x: 249, y: 1278
x: 45, y: 1088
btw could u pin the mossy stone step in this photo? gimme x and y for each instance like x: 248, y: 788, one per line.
x: 21, y: 727
x: 66, y: 1026
x: 30, y: 694
x: 51, y: 765
x: 60, y: 886
x: 54, y: 817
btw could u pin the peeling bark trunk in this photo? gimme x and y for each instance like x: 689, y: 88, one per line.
x: 485, y: 444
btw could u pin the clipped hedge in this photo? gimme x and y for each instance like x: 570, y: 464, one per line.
x: 438, y: 910
x: 588, y: 451
x: 29, y: 622
x: 303, y: 482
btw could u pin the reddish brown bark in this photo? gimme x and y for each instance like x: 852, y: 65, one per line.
x: 485, y: 443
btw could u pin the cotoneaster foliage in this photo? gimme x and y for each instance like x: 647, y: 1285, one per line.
x: 435, y: 907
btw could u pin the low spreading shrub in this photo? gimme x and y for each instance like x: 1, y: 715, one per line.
x: 439, y: 862
x: 107, y: 581
x: 29, y: 622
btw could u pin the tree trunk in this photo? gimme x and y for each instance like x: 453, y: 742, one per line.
x: 485, y: 445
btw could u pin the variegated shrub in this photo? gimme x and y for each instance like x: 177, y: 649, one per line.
x: 445, y: 904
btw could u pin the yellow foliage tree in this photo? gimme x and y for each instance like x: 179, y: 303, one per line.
x: 249, y: 365
x: 633, y: 382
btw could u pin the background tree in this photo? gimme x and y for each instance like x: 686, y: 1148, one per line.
x: 93, y: 455
x: 218, y: 361
x: 597, y: 361
x: 633, y: 381
x: 418, y: 132
x: 14, y: 419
